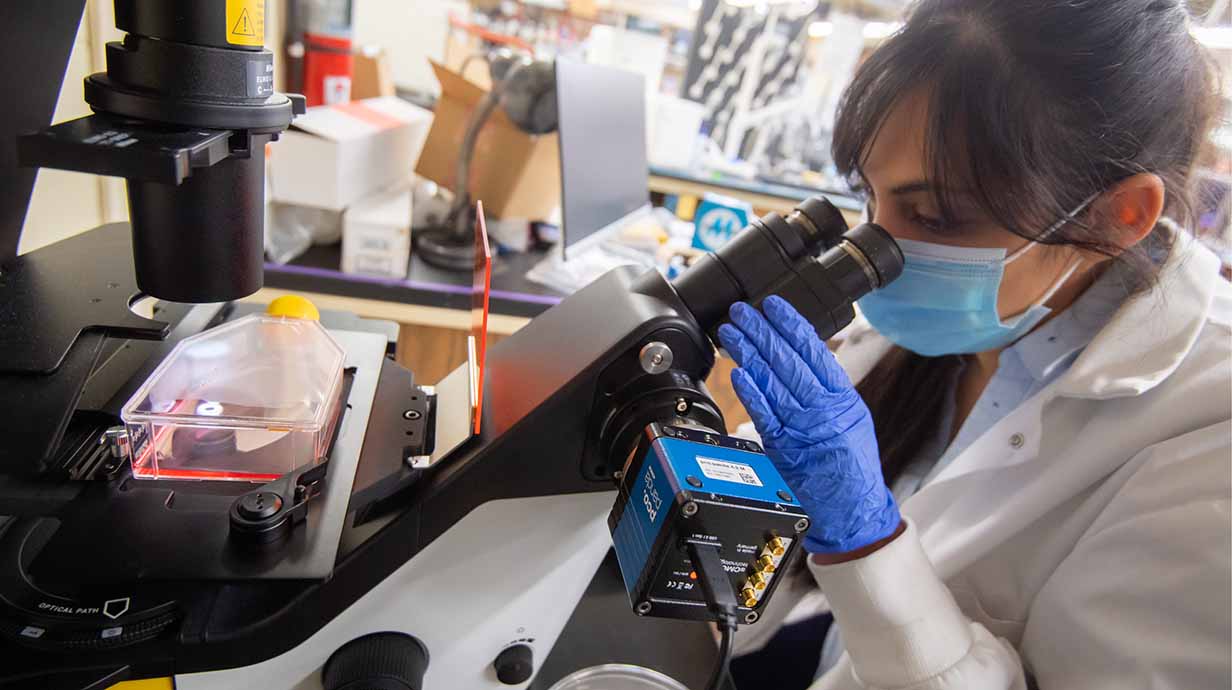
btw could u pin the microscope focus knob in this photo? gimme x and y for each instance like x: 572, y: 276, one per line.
x: 515, y: 665
x: 379, y: 661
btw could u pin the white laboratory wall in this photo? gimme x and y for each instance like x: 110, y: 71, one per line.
x: 410, y: 32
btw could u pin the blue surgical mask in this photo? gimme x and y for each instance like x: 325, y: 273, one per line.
x: 945, y: 301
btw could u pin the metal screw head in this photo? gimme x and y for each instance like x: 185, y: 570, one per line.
x: 751, y: 617
x: 643, y: 608
x: 802, y: 525
x: 682, y: 405
x: 784, y: 496
x: 412, y: 415
x: 689, y: 509
x: 693, y: 481
x: 1017, y: 441
x: 655, y: 358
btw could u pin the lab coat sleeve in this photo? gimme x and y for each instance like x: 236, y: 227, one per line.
x: 904, y: 631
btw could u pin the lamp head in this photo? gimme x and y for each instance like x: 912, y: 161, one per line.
x: 529, y: 97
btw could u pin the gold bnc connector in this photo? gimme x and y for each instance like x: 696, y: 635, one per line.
x: 777, y: 547
x: 750, y: 597
x: 758, y: 580
x: 765, y: 564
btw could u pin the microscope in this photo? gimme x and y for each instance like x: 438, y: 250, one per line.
x: 435, y: 542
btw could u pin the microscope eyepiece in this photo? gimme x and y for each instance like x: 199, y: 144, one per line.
x: 877, y: 252
x: 808, y: 257
x: 819, y: 218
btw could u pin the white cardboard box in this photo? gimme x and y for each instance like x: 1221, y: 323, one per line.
x: 338, y: 154
x: 376, y: 234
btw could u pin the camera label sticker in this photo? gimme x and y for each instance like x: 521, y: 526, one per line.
x: 723, y: 470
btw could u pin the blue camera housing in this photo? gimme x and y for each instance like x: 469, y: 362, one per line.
x: 685, y: 484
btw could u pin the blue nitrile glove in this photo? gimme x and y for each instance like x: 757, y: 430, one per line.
x: 814, y: 426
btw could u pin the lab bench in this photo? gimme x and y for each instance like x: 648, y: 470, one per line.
x: 762, y: 195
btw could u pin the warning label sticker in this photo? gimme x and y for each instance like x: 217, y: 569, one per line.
x: 723, y: 470
x: 246, y: 22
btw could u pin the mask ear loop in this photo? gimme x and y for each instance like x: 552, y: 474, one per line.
x: 1069, y: 272
x: 1018, y: 253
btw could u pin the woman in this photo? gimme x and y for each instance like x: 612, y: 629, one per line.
x: 1029, y: 487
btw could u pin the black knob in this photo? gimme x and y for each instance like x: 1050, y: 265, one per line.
x: 515, y: 665
x: 380, y: 661
x: 259, y: 505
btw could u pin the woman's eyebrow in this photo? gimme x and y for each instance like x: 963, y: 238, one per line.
x: 924, y: 186
x: 913, y: 187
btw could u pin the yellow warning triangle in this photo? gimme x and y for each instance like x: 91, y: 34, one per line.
x: 243, y: 27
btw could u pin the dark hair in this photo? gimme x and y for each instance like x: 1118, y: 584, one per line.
x: 1033, y: 107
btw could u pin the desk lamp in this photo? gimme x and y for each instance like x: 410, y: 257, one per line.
x: 526, y: 90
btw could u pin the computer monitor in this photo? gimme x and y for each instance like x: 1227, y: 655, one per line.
x: 603, y: 169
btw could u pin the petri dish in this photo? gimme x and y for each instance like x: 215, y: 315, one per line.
x: 617, y: 677
x: 248, y: 401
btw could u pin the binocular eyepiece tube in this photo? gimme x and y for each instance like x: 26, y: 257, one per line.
x: 808, y: 258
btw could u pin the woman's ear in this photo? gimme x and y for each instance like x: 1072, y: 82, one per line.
x: 1132, y: 207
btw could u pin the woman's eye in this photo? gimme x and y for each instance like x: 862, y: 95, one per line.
x: 930, y: 224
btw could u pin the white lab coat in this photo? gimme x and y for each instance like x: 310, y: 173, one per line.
x: 1085, y: 540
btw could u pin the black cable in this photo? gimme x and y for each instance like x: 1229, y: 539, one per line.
x: 722, y: 668
x: 721, y: 600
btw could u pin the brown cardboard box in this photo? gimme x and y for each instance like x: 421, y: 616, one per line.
x: 371, y: 76
x: 516, y: 175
